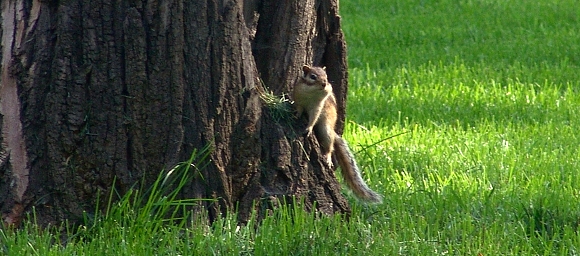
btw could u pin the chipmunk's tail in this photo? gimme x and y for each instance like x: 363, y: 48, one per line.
x: 351, y: 173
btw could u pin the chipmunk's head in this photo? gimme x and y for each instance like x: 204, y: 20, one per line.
x: 314, y: 75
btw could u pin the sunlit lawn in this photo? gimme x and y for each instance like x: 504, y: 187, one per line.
x: 463, y: 114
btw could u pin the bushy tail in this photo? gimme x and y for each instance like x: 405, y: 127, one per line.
x: 351, y: 173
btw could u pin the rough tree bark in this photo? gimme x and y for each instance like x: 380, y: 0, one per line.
x: 97, y: 90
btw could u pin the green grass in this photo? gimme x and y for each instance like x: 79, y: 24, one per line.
x: 487, y: 95
x: 481, y: 99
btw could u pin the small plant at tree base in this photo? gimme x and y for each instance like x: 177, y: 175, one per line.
x: 154, y: 207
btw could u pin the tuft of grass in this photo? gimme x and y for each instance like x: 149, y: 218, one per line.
x: 280, y: 106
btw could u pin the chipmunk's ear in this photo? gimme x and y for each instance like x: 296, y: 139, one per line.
x: 306, y: 69
x: 324, y: 68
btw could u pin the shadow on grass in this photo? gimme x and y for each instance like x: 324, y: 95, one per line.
x: 549, y: 221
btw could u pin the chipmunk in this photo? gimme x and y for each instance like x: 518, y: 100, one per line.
x: 313, y: 93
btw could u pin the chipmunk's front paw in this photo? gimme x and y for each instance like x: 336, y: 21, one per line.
x: 307, y: 131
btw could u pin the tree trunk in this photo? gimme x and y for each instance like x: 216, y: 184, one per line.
x: 98, y: 95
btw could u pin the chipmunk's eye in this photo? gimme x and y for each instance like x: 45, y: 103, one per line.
x: 313, y: 76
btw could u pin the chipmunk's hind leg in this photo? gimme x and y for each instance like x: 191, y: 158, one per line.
x: 326, y: 135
